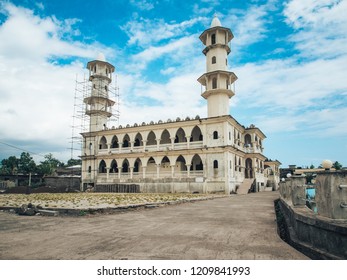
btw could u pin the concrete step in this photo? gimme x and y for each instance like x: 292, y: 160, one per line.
x: 245, y: 186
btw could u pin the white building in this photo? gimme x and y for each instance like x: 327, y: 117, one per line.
x: 213, y: 154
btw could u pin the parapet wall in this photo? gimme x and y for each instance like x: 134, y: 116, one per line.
x: 321, y: 234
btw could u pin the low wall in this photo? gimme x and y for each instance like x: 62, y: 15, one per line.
x: 313, y: 235
x: 72, y: 183
x: 321, y: 234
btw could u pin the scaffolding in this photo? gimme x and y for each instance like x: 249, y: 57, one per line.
x: 81, y: 120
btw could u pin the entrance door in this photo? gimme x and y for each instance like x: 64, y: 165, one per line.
x: 249, y: 169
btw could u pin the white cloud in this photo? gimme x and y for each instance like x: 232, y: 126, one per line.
x: 142, y: 4
x: 321, y: 27
x: 37, y: 96
x: 146, y: 32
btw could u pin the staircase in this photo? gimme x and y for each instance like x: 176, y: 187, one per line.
x: 245, y: 186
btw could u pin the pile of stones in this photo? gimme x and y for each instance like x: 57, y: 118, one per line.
x: 32, y: 210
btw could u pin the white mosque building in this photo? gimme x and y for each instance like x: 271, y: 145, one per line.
x: 204, y: 155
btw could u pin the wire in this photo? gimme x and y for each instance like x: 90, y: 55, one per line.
x: 12, y: 146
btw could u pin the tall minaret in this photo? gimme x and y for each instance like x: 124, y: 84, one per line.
x: 99, y: 106
x: 217, y: 79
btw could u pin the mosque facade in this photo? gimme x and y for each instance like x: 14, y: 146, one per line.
x: 196, y: 155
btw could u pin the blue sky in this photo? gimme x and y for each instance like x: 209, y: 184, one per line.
x: 290, y: 58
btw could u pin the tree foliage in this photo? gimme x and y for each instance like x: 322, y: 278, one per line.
x: 337, y: 165
x: 9, y: 166
x: 25, y: 165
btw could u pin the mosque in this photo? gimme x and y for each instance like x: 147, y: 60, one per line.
x: 196, y: 155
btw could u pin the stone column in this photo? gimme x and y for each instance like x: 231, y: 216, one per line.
x: 144, y: 145
x: 172, y: 171
x: 158, y: 143
x: 158, y: 171
x: 188, y: 165
x: 107, y: 173
x: 172, y: 142
x: 188, y: 141
x: 131, y: 172
x: 144, y: 172
x: 298, y: 190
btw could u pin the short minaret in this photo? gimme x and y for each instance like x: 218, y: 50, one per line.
x: 99, y: 106
x: 217, y: 80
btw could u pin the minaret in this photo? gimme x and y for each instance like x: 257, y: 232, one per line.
x: 217, y: 80
x: 99, y: 106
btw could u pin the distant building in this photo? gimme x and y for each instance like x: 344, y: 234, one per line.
x: 213, y: 154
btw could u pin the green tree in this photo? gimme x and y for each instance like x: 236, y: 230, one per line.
x: 9, y: 166
x: 48, y: 166
x: 312, y: 166
x: 337, y: 165
x: 72, y: 162
x: 26, y: 164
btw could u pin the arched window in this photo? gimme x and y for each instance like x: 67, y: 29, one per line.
x: 103, y: 143
x: 151, y: 139
x: 214, y: 83
x: 102, y: 167
x: 215, y: 134
x: 125, y: 166
x: 215, y: 164
x: 165, y: 137
x: 214, y: 60
x: 114, y: 167
x: 213, y: 39
x: 137, y: 165
x: 196, y: 134
x: 126, y: 141
x: 114, y: 142
x: 89, y: 169
x: 196, y: 163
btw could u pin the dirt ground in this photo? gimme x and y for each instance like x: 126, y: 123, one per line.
x: 236, y: 227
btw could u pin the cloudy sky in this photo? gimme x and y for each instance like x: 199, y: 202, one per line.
x: 290, y: 58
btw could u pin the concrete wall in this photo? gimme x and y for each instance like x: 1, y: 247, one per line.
x: 321, y: 235
x: 68, y: 182
x: 331, y: 194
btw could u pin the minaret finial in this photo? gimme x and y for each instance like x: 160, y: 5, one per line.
x: 215, y: 21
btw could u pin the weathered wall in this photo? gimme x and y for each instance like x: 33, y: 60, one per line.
x: 68, y: 182
x: 321, y: 235
x: 316, y: 237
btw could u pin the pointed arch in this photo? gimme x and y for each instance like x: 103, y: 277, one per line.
x: 151, y: 139
x: 181, y: 163
x: 114, y: 166
x: 102, y: 167
x: 126, y: 141
x: 137, y: 165
x: 197, y: 163
x: 103, y: 143
x: 138, y: 140
x: 165, y: 137
x: 114, y: 142
x: 180, y: 136
x: 196, y: 134
x: 125, y: 166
